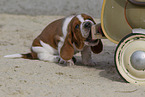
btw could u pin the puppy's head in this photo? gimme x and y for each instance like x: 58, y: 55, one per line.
x: 81, y: 31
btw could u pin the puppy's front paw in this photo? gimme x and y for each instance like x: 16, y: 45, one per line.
x: 61, y: 61
x: 70, y: 63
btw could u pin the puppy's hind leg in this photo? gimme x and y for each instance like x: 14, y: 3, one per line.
x: 45, y: 55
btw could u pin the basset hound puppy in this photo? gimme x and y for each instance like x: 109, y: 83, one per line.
x: 63, y: 38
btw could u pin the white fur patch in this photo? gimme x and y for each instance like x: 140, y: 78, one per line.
x: 46, y: 52
x: 13, y: 56
x: 89, y: 21
x: 80, y: 18
x: 48, y: 48
x: 65, y: 25
x: 45, y: 48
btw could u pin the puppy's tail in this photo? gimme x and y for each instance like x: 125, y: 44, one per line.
x: 25, y: 56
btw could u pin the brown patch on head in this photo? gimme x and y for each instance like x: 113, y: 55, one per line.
x: 87, y: 17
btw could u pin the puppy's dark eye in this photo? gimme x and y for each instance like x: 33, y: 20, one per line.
x: 77, y: 26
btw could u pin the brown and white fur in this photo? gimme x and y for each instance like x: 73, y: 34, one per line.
x: 63, y: 38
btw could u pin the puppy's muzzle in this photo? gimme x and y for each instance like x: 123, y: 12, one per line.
x: 90, y: 39
x: 87, y: 25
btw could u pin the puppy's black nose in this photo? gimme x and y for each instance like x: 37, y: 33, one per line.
x: 87, y: 25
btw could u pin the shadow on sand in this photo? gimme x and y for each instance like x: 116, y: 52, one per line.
x: 105, y: 62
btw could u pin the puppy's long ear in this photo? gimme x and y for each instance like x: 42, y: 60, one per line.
x: 98, y: 48
x: 67, y: 50
x: 78, y: 40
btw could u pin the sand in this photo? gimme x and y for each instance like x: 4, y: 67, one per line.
x: 35, y: 78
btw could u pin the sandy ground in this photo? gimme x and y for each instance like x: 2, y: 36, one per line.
x: 34, y: 78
